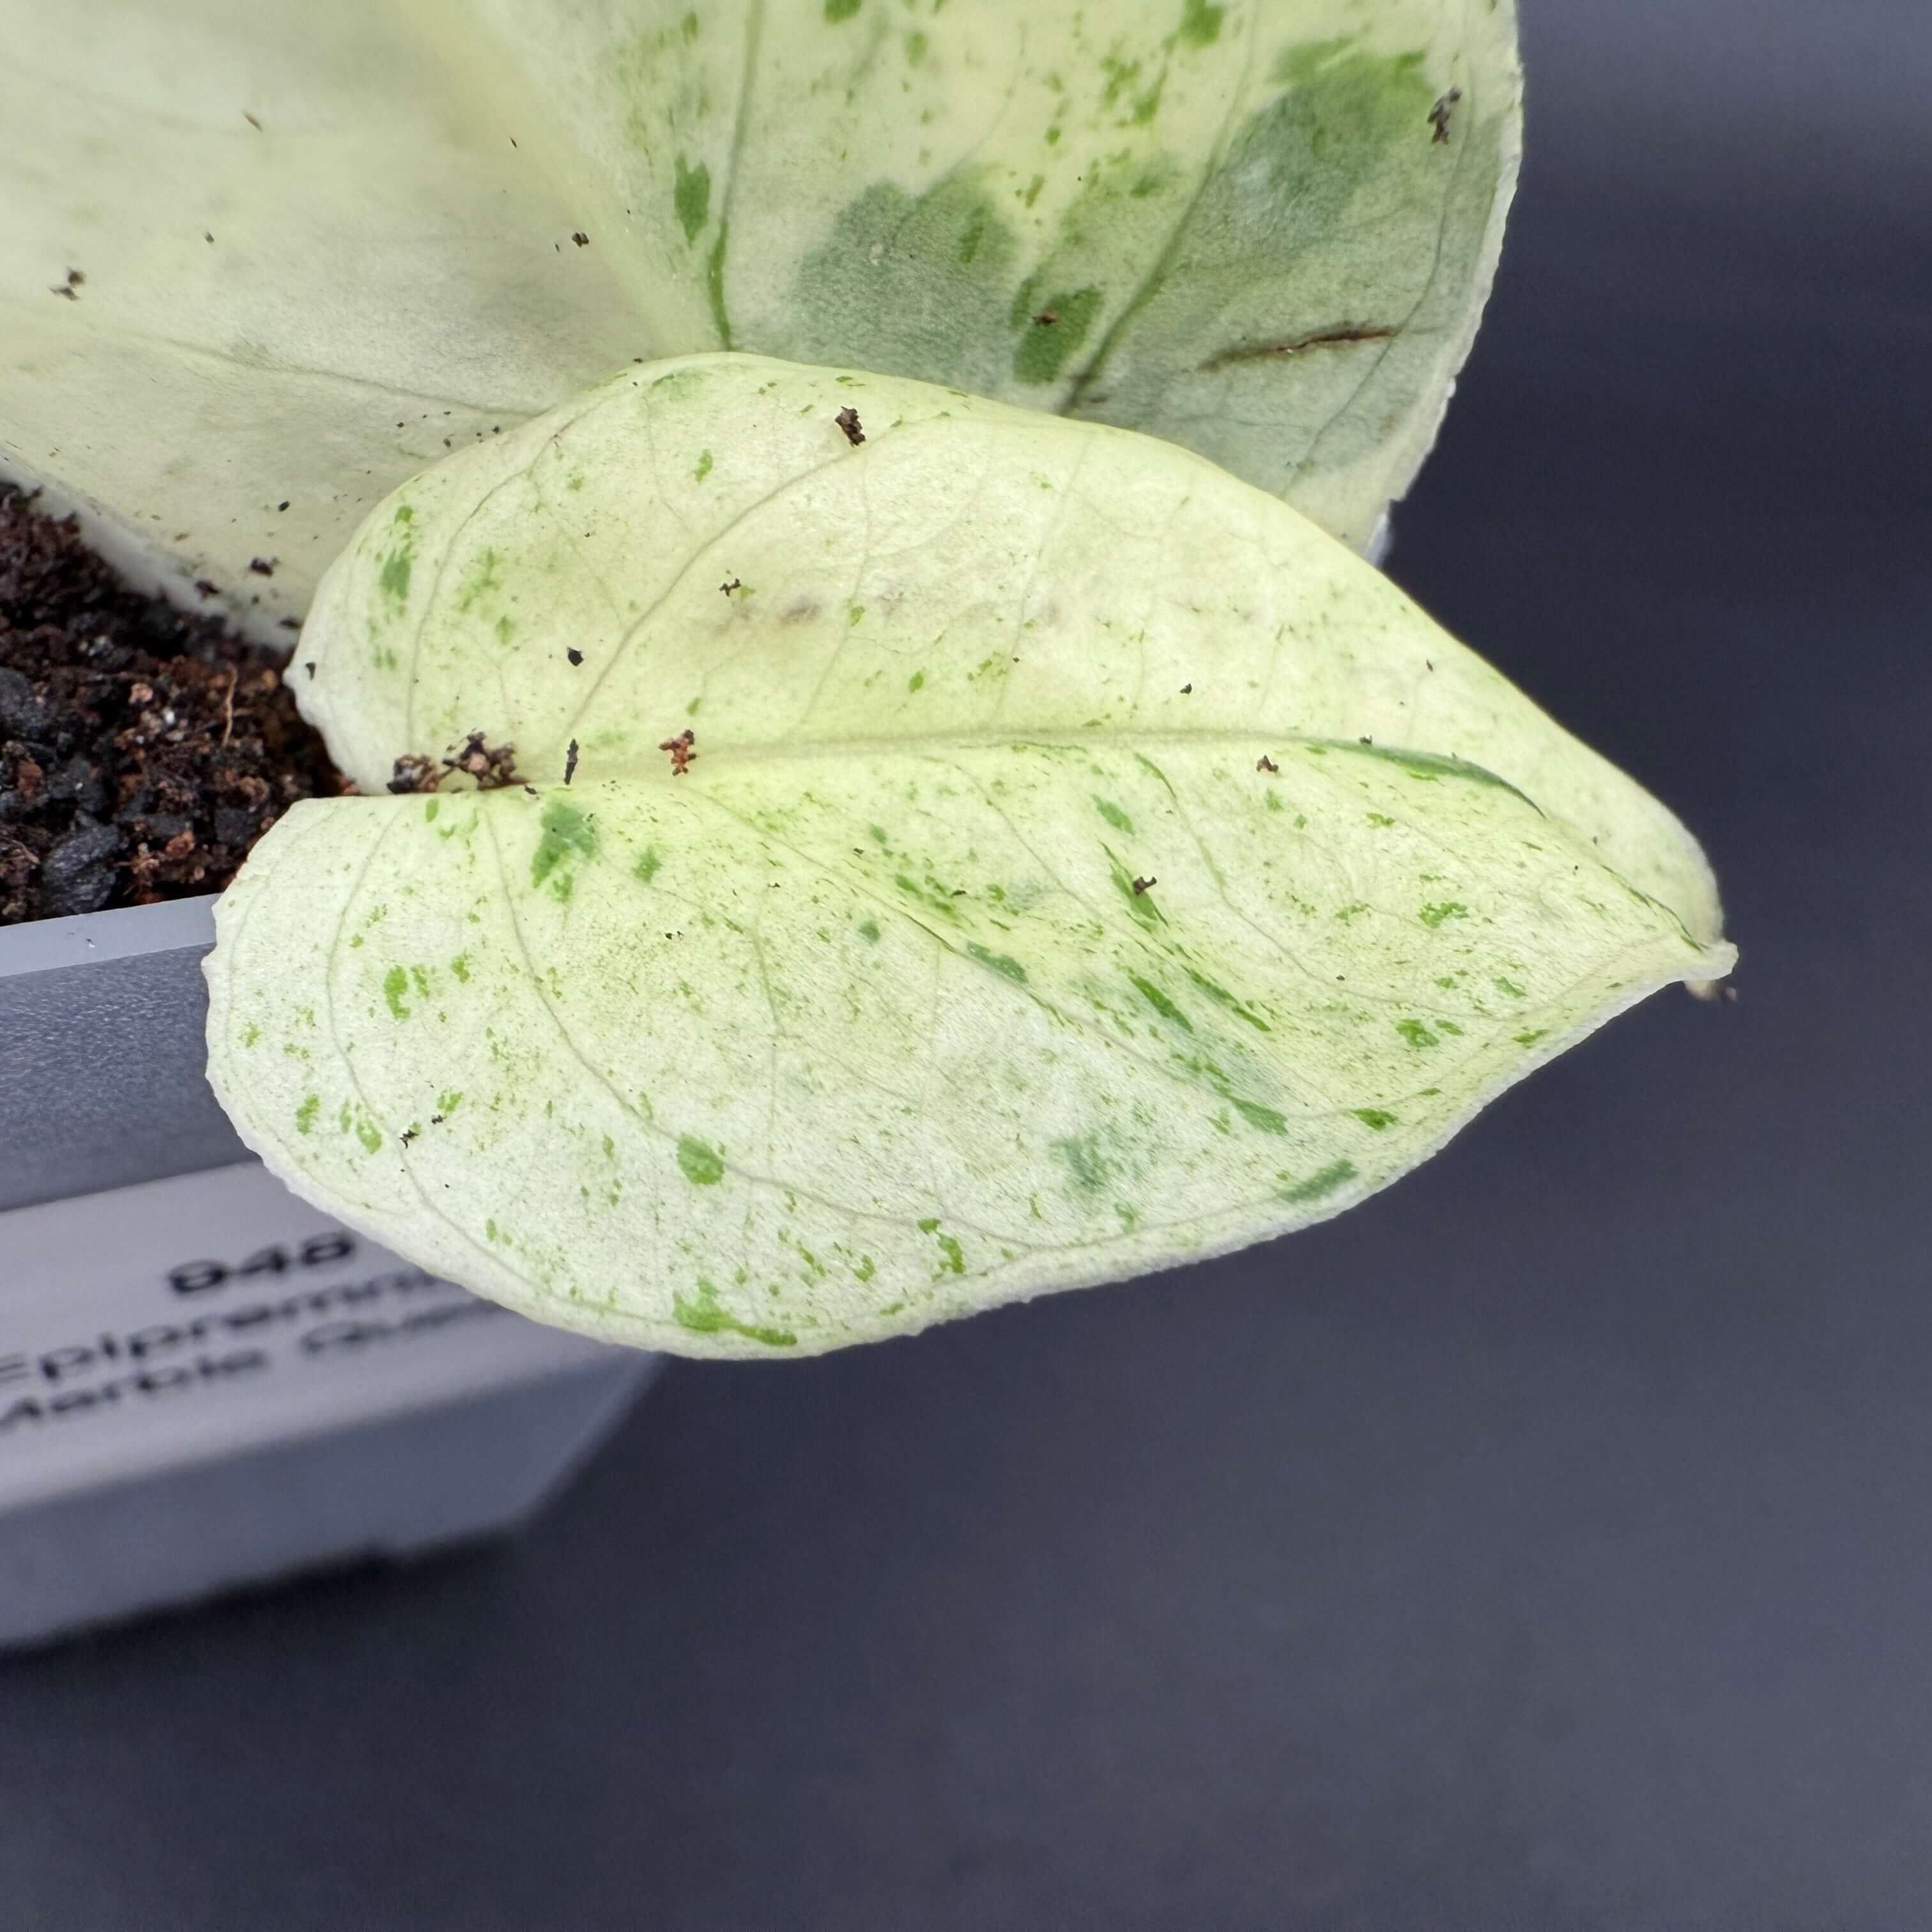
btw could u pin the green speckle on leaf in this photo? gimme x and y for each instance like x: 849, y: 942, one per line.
x: 645, y: 869
x: 395, y: 984
x: 1373, y: 1117
x: 916, y: 681
x: 703, y: 1165
x: 955, y: 1262
x: 1508, y: 988
x: 1415, y: 1033
x: 836, y: 10
x: 306, y: 1113
x: 448, y: 1100
x: 1266, y: 1118
x: 703, y: 469
x: 369, y: 1134
x: 1530, y: 1038
x: 1044, y: 346
x: 1432, y: 916
x: 1113, y: 814
x: 868, y: 929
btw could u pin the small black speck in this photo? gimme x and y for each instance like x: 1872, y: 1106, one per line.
x: 289, y: 623
x: 732, y: 585
x: 1142, y: 885
x: 1366, y: 741
x: 958, y: 891
x: 408, y: 1135
x: 1047, y: 317
x: 203, y: 588
x: 436, y: 1120
x: 847, y: 419
x: 283, y: 505
x: 263, y: 566
x: 206, y: 237
x: 582, y: 240
x: 574, y: 655
x: 513, y: 140
x: 1429, y: 664
x: 310, y: 666
x: 1185, y: 689
x: 1439, y: 115
x: 1265, y: 763
x: 532, y: 790
x: 570, y: 762
x: 251, y: 120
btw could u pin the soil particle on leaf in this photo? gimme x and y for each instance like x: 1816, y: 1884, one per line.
x: 415, y: 773
x: 1144, y: 885
x: 1439, y: 115
x: 1265, y: 763
x: 570, y: 762
x: 582, y: 240
x: 682, y: 752
x: 490, y: 766
x: 142, y: 750
x: 847, y: 419
x: 575, y: 656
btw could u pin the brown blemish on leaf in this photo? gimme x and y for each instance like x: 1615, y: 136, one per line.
x: 1439, y: 115
x: 1144, y: 885
x: 570, y: 761
x: 1265, y: 763
x: 847, y: 419
x: 1046, y: 318
x: 682, y: 752
x: 582, y: 240
x: 1321, y: 338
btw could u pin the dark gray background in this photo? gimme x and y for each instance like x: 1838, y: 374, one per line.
x: 1547, y: 1544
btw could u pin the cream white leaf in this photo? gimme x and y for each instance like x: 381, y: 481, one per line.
x: 972, y: 954
x: 321, y: 245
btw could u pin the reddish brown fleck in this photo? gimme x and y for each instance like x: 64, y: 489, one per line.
x: 682, y: 752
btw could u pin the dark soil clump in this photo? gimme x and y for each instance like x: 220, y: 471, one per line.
x: 142, y: 750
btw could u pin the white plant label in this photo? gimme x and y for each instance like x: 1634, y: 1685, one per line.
x: 200, y: 1317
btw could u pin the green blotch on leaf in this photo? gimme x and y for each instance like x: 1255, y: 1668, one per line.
x: 460, y: 966
x: 916, y: 681
x: 955, y: 1262
x: 1373, y: 1117
x: 1084, y: 1162
x: 1000, y: 963
x: 393, y: 580
x: 1508, y: 988
x: 703, y: 469
x: 645, y: 869
x: 1160, y: 1003
x: 448, y: 1100
x: 1432, y: 916
x: 369, y: 1134
x: 1200, y: 23
x: 431, y: 806
x: 868, y: 929
x: 690, y: 198
x: 836, y: 10
x: 1299, y: 1193
x: 1265, y: 1118
x: 1045, y: 346
x: 1530, y: 1038
x: 705, y: 1315
x: 1415, y: 1033
x: 702, y: 1164
x: 395, y: 984
x: 568, y: 833
x: 1222, y: 995
x: 306, y: 1113
x: 1112, y: 813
